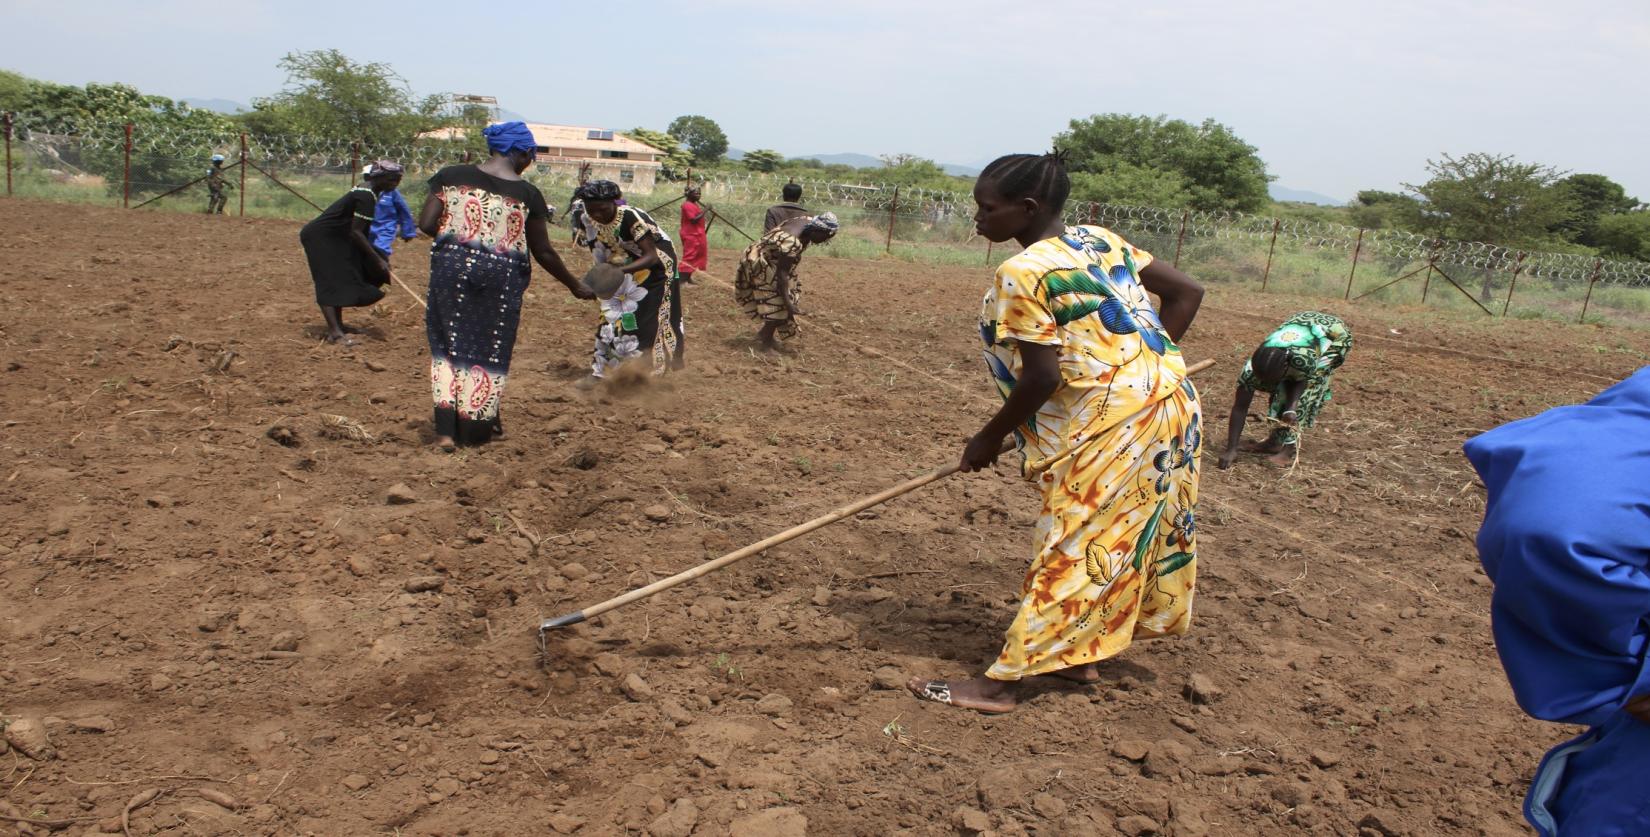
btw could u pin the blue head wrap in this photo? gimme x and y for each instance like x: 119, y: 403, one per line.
x: 506, y: 137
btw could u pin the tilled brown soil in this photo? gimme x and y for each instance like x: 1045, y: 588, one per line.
x: 189, y: 602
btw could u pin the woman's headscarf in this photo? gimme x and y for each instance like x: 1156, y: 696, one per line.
x: 598, y: 190
x: 378, y: 167
x: 506, y: 137
x: 825, y: 222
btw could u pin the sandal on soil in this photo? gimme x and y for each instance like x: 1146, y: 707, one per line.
x: 939, y: 691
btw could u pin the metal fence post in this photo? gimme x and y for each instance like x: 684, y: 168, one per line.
x: 1276, y: 223
x: 126, y: 171
x: 8, y: 153
x: 893, y: 206
x: 1184, y: 217
x: 243, y: 175
x: 1354, y: 271
x: 1597, y: 266
x: 1517, y: 268
x: 354, y: 161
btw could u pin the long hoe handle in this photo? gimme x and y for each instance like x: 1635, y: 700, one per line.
x: 774, y: 540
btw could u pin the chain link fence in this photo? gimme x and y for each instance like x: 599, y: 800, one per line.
x: 292, y: 177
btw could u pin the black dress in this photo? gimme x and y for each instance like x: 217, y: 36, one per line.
x: 337, y: 266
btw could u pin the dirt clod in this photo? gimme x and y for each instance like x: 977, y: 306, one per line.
x: 678, y: 821
x: 28, y: 736
x: 424, y: 584
x: 400, y: 494
x: 1201, y: 689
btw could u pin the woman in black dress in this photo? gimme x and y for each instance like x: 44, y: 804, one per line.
x: 485, y: 221
x: 348, y: 272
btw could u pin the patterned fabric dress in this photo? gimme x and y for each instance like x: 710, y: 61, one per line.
x: 1116, y: 543
x: 479, y: 269
x: 1316, y: 344
x: 644, y: 318
x: 756, y: 288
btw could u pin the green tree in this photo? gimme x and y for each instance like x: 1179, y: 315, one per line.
x: 1127, y: 184
x: 763, y: 160
x: 1218, y: 170
x: 1493, y: 198
x: 170, y: 140
x: 1595, y: 197
x: 702, y: 136
x: 14, y: 90
x: 330, y: 96
x: 1625, y: 235
x: 1373, y: 209
x: 910, y: 170
x: 676, y: 161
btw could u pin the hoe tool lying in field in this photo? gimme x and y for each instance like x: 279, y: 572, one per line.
x: 793, y: 533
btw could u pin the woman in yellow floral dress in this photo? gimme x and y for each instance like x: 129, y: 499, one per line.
x: 767, y: 287
x: 1096, y: 392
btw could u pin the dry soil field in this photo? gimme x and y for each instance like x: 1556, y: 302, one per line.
x: 188, y: 602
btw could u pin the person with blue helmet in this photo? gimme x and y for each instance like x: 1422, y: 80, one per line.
x: 216, y: 200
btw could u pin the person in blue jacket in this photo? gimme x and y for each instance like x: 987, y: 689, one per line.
x: 1566, y: 539
x: 391, y: 216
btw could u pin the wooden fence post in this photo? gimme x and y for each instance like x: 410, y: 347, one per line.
x: 988, y: 245
x: 126, y: 171
x: 1517, y: 268
x: 893, y: 207
x: 354, y: 161
x: 8, y: 153
x: 1354, y: 271
x: 243, y: 175
x: 1597, y: 266
x: 1276, y: 223
x: 1185, y: 215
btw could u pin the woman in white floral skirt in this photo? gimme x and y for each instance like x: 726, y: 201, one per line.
x: 643, y: 318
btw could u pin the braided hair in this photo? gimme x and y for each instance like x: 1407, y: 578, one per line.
x: 1041, y: 177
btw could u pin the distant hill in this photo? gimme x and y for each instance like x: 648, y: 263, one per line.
x: 866, y: 161
x: 1287, y: 195
x: 219, y: 105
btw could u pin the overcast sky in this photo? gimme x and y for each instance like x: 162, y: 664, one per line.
x: 1337, y: 96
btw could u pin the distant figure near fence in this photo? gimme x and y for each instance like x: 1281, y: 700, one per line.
x: 779, y: 213
x: 348, y: 272
x: 215, y: 186
x: 695, y: 234
x: 1293, y: 365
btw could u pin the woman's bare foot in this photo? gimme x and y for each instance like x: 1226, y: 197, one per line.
x: 446, y: 444
x: 981, y: 694
x: 1086, y: 674
x: 1284, y: 458
x: 339, y: 338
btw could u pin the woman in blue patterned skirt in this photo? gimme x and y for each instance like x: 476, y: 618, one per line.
x: 485, y: 221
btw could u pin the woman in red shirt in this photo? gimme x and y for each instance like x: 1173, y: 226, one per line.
x: 695, y: 227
